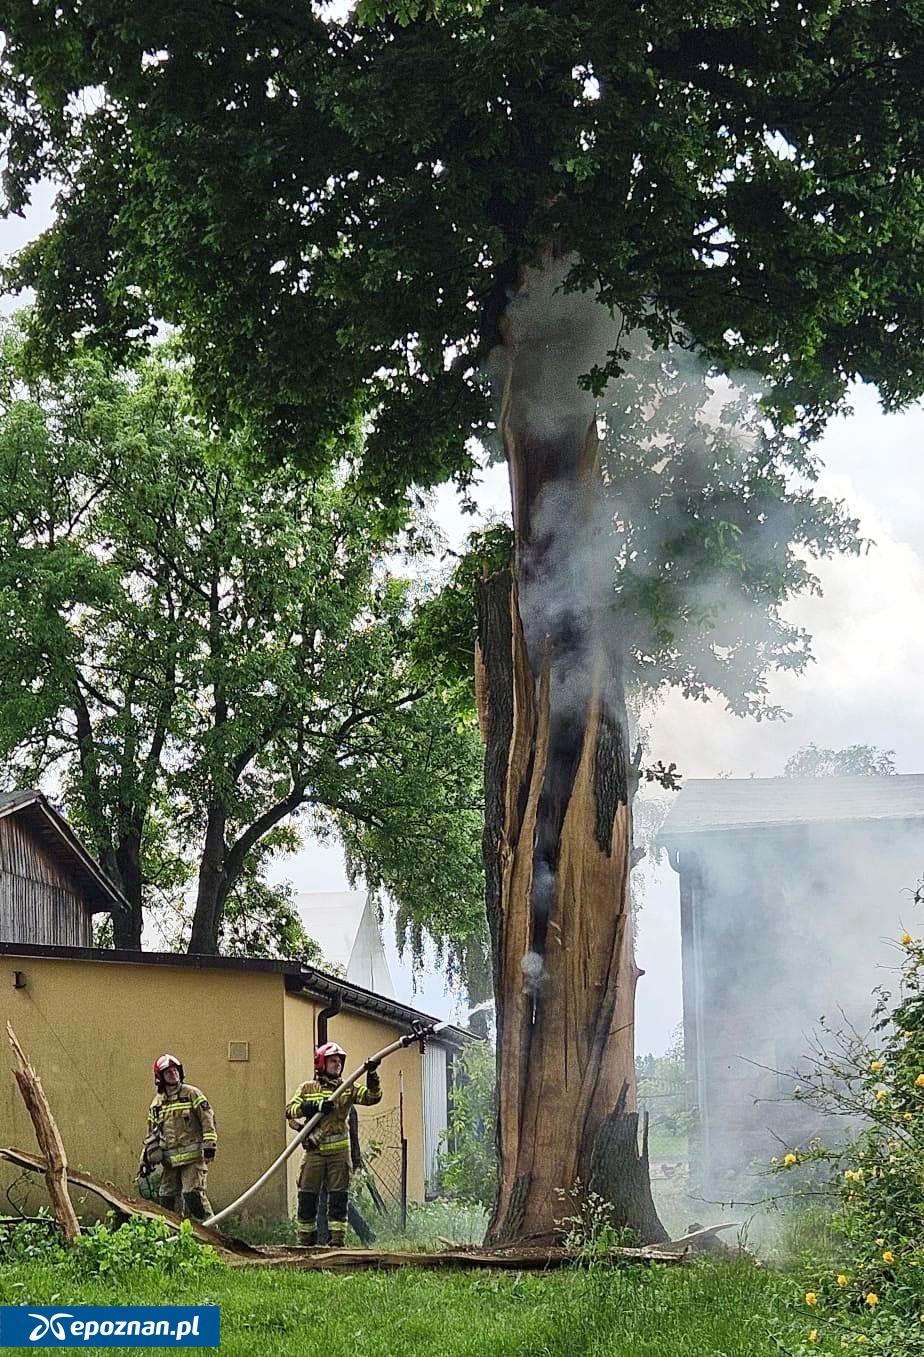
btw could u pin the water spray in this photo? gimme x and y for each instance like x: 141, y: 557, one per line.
x: 419, y: 1032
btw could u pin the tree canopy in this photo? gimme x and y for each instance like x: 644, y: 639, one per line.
x: 855, y: 760
x: 335, y: 213
x: 198, y: 657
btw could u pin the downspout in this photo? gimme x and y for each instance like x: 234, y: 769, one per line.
x: 331, y: 1011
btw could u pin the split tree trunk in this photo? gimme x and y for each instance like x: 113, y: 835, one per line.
x: 49, y: 1141
x: 558, y: 835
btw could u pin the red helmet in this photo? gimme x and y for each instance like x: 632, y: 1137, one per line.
x: 321, y: 1054
x: 162, y: 1063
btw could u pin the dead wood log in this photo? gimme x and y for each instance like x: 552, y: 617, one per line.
x: 49, y: 1140
x: 241, y: 1254
x: 130, y: 1206
x: 508, y: 1259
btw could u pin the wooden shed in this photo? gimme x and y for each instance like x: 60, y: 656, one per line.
x: 50, y: 886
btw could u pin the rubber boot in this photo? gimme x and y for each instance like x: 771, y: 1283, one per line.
x: 195, y: 1205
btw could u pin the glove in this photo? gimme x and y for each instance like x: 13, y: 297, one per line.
x: 208, y: 1153
x: 328, y: 1105
x: 372, y: 1065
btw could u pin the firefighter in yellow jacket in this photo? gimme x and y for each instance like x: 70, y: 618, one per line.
x: 327, y: 1149
x: 182, y: 1138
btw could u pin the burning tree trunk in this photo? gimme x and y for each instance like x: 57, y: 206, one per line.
x: 558, y: 835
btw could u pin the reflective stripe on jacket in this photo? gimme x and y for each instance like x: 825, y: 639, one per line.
x: 183, y: 1123
x: 331, y: 1131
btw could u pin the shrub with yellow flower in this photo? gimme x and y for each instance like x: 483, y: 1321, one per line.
x: 878, y: 1176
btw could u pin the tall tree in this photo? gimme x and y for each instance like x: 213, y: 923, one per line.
x: 199, y: 658
x: 349, y: 217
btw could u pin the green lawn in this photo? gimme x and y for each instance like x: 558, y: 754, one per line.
x: 704, y: 1310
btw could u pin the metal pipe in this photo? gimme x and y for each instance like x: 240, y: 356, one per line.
x: 330, y: 1011
x: 416, y: 1034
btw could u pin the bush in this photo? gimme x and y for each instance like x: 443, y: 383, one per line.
x: 468, y: 1168
x: 32, y: 1241
x: 874, y: 1295
x: 141, y: 1242
x: 108, y: 1249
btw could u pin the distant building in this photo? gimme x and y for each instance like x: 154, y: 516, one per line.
x: 792, y: 893
x: 345, y: 927
x: 50, y: 886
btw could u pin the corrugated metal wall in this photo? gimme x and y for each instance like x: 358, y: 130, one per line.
x: 37, y: 902
x: 435, y: 1111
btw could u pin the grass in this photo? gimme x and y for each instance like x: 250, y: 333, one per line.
x: 707, y: 1309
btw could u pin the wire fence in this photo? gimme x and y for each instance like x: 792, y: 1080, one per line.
x: 384, y: 1155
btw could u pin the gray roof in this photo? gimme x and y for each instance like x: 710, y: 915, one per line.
x: 709, y: 805
x: 42, y: 820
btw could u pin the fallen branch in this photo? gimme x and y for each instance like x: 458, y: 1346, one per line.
x: 700, y: 1237
x: 129, y: 1206
x: 54, y: 1163
x: 518, y: 1260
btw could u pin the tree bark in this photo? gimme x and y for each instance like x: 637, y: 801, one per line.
x: 126, y: 872
x: 49, y: 1140
x: 558, y: 834
x: 213, y: 886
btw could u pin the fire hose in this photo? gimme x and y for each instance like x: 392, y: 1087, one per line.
x: 418, y: 1033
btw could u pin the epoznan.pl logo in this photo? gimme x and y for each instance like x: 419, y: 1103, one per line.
x: 110, y: 1326
x: 46, y: 1322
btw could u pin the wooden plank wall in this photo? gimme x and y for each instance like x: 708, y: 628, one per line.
x: 38, y: 902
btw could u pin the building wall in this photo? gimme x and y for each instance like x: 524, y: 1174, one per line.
x: 38, y: 901
x: 783, y: 927
x: 92, y: 1031
x: 401, y: 1074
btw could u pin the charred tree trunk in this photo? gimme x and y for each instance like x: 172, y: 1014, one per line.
x: 558, y: 834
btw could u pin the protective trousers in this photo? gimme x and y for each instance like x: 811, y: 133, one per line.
x: 323, y: 1170
x: 190, y: 1180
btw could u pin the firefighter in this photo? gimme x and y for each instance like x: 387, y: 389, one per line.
x: 182, y: 1138
x: 327, y: 1149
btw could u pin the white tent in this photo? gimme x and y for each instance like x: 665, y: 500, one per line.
x: 345, y: 927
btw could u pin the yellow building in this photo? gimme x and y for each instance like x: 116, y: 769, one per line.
x: 92, y: 1022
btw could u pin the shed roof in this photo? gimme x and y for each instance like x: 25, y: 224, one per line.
x: 41, y: 819
x: 711, y: 805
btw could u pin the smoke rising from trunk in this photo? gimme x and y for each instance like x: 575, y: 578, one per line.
x: 603, y: 495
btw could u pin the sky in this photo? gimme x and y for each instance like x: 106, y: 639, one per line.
x: 864, y: 686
